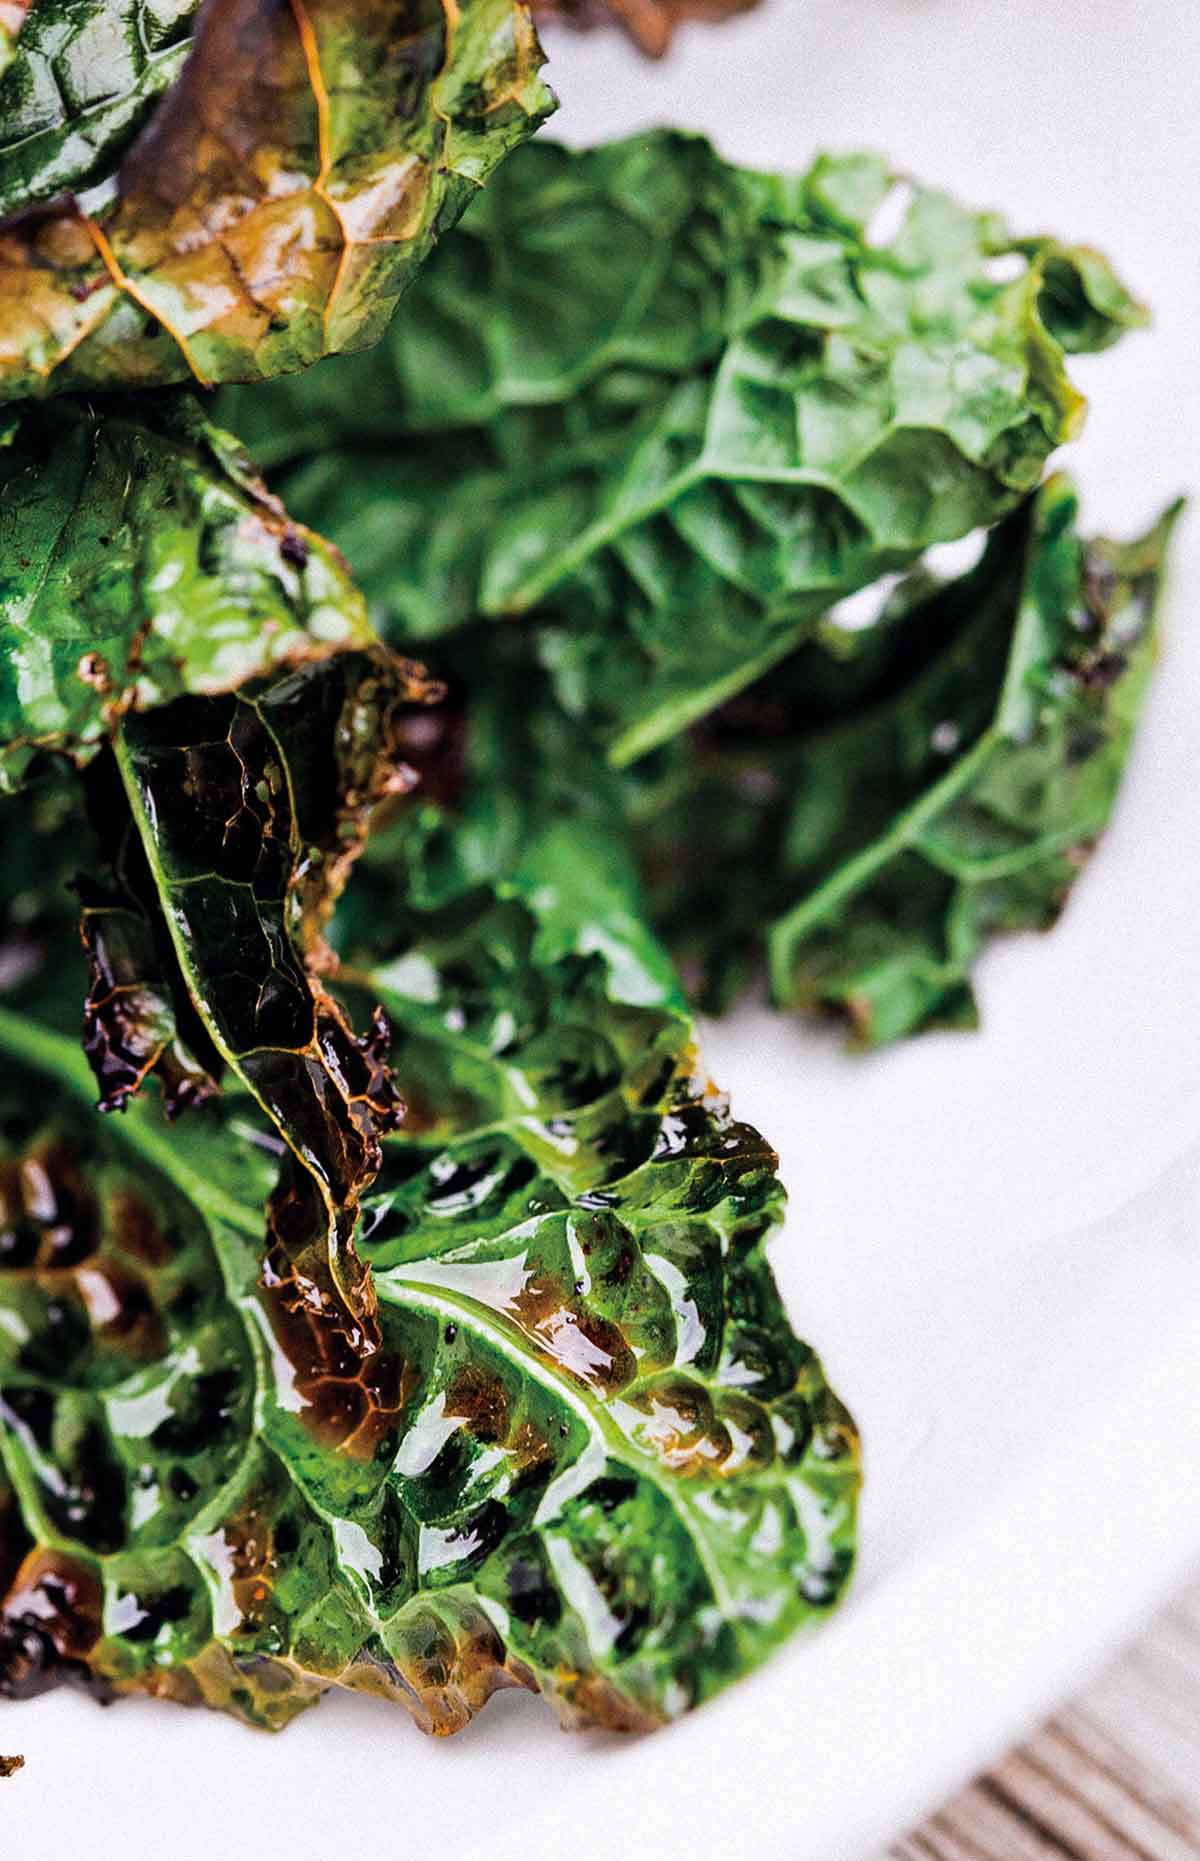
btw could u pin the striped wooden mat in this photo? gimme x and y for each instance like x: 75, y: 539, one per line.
x: 1113, y: 1777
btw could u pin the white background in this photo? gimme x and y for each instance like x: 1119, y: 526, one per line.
x: 993, y: 1237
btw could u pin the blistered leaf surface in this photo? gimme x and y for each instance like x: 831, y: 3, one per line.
x: 874, y: 817
x: 249, y: 811
x: 231, y: 195
x: 611, y: 1472
x: 140, y: 559
x: 674, y: 410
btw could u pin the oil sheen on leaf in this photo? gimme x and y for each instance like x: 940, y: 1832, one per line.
x: 674, y: 410
x: 612, y: 1473
x: 249, y: 811
x: 142, y: 558
x: 230, y: 192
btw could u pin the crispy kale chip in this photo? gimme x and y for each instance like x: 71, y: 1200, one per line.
x: 425, y: 1361
x: 674, y: 410
x: 870, y: 817
x: 227, y: 192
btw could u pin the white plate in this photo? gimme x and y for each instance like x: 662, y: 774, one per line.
x: 993, y: 1238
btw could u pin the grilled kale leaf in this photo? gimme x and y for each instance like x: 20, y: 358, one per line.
x: 870, y: 820
x: 425, y: 1361
x: 230, y: 192
x: 675, y: 409
x: 142, y: 558
x: 596, y: 1460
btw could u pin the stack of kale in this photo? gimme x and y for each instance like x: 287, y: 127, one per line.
x: 444, y: 1354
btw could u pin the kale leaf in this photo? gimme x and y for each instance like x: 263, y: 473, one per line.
x: 230, y: 192
x: 598, y: 1464
x: 142, y: 558
x: 428, y: 1361
x: 675, y: 409
x: 870, y: 819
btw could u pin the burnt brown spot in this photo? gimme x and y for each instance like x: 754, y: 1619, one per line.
x: 129, y: 1016
x: 452, y: 1670
x: 680, y: 1425
x: 530, y: 1457
x: 482, y: 1401
x: 352, y: 1384
x: 589, y: 1702
x: 137, y: 1229
x: 586, y: 1346
x: 46, y: 1191
x: 50, y: 1621
x: 293, y: 548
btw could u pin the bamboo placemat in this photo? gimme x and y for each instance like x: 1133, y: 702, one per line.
x: 1113, y: 1777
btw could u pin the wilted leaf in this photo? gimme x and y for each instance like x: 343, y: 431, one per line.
x: 675, y: 410
x: 142, y: 558
x: 249, y: 811
x: 611, y: 1471
x: 230, y: 192
x: 650, y: 23
x: 874, y: 819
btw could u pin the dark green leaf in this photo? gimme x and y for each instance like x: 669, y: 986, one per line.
x: 875, y: 819
x: 142, y: 558
x: 82, y: 82
x: 41, y: 965
x: 607, y: 1468
x: 230, y: 192
x: 676, y: 409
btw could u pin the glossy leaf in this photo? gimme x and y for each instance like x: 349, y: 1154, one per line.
x: 872, y: 820
x: 230, y: 192
x: 675, y: 410
x: 249, y: 811
x: 611, y: 1472
x: 42, y: 970
x: 651, y: 24
x: 141, y: 558
x: 84, y: 80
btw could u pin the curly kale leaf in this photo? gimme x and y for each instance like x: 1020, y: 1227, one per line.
x: 674, y: 410
x: 874, y: 818
x: 604, y: 1469
x: 651, y: 24
x: 424, y: 1362
x: 229, y: 192
x: 142, y: 558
